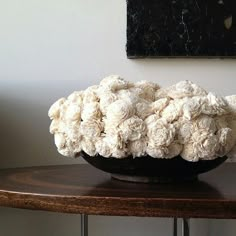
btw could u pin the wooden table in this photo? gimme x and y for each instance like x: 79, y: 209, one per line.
x: 85, y: 190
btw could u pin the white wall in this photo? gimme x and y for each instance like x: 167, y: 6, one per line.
x: 49, y: 48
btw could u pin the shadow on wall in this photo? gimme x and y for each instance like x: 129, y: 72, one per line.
x: 26, y: 140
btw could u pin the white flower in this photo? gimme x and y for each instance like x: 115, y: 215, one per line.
x: 174, y: 149
x: 150, y: 119
x: 156, y: 151
x: 67, y: 152
x: 106, y: 99
x: 159, y: 105
x: 226, y: 141
x: 173, y: 111
x: 73, y: 112
x: 90, y: 95
x: 91, y: 111
x: 132, y: 129
x: 102, y: 147
x: 60, y: 140
x: 231, y: 121
x: 185, y: 89
x: 161, y: 133
x: 231, y: 102
x: 205, y: 123
x: 72, y: 131
x: 189, y: 153
x: 54, y: 111
x: 76, y: 97
x: 119, y: 111
x: 143, y: 110
x: 119, y: 153
x: 116, y: 145
x: 54, y: 126
x: 185, y: 131
x: 91, y: 128
x: 221, y: 122
x: 88, y: 146
x: 114, y: 141
x: 148, y: 89
x: 215, y: 105
x: 128, y: 95
x: 69, y: 148
x: 138, y: 147
x: 161, y: 93
x: 204, y: 146
x: 114, y: 83
x: 192, y: 107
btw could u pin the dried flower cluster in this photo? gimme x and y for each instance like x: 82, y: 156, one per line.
x: 118, y: 118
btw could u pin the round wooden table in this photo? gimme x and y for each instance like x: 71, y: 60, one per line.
x: 84, y: 190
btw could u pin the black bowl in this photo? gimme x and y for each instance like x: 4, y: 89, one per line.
x: 148, y: 169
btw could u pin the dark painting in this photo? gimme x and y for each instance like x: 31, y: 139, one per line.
x: 181, y: 28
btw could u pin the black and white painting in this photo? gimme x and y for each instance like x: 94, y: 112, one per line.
x: 181, y: 28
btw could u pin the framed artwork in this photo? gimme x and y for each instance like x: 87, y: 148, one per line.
x: 181, y: 28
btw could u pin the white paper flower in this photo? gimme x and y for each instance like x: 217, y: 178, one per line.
x: 114, y: 83
x: 148, y: 89
x: 72, y: 131
x: 185, y: 89
x: 150, y: 119
x: 143, y: 110
x: 128, y: 95
x: 159, y: 105
x: 73, y: 113
x: 102, y: 147
x: 76, y: 97
x: 161, y: 93
x: 205, y: 123
x: 156, y: 151
x: 119, y: 153
x: 132, y: 129
x: 90, y: 95
x: 173, y: 111
x: 69, y: 149
x: 231, y: 102
x: 88, y: 146
x: 189, y: 153
x: 119, y: 111
x: 91, y: 111
x: 226, y: 141
x: 54, y: 126
x: 91, y: 128
x: 138, y: 147
x: 60, y: 140
x: 106, y: 99
x: 161, y: 133
x: 185, y: 131
x: 114, y: 141
x: 174, y: 149
x: 192, y: 107
x: 204, y: 145
x: 54, y: 111
x: 215, y: 105
x: 221, y: 122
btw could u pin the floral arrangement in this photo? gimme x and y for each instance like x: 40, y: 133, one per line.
x: 118, y: 118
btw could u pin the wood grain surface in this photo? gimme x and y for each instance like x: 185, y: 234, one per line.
x: 84, y: 189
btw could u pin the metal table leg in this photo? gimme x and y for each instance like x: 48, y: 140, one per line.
x: 175, y: 227
x: 84, y: 225
x: 185, y: 227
